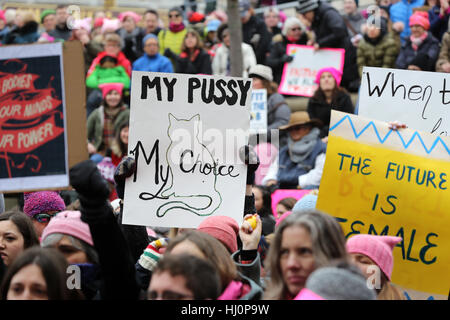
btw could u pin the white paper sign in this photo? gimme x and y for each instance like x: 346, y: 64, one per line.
x: 299, y: 75
x: 258, y: 120
x: 419, y: 99
x: 185, y: 134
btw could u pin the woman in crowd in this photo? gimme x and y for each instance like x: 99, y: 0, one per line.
x: 82, y: 32
x: 173, y: 37
x: 131, y: 35
x: 300, y: 163
x: 192, y: 59
x: 421, y: 49
x: 221, y: 61
x: 26, y: 30
x: 293, y: 33
x: 272, y: 20
x: 17, y: 233
x: 119, y: 147
x: 105, y: 120
x: 37, y: 274
x: 72, y: 238
x: 328, y: 96
x: 278, y: 112
x: 369, y: 251
x: 41, y: 207
x: 285, y: 205
x: 354, y: 20
x: 303, y: 243
x: 263, y: 206
x: 377, y: 48
x: 443, y: 62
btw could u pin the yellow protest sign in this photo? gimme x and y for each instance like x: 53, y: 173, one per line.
x: 379, y: 181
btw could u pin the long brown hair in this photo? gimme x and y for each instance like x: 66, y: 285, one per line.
x: 319, y: 95
x: 389, y: 291
x: 327, y: 239
x: 199, y: 44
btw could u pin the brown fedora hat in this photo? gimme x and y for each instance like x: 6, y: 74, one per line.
x: 299, y: 118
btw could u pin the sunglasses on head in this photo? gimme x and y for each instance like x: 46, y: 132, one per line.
x: 43, y: 217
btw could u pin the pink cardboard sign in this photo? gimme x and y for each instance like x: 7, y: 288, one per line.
x: 280, y: 194
x: 299, y: 75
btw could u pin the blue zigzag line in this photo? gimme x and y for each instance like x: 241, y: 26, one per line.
x: 383, y: 140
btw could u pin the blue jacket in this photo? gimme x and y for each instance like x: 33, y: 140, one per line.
x: 401, y: 11
x: 156, y: 63
x: 438, y: 25
x: 288, y: 171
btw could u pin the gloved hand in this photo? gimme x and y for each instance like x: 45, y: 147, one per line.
x: 287, y: 59
x: 249, y: 157
x: 255, y: 39
x: 125, y: 169
x: 168, y: 53
x: 154, y: 251
x: 93, y: 189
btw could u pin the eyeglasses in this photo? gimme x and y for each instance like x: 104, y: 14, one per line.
x: 168, y: 295
x: 174, y: 15
x: 43, y: 217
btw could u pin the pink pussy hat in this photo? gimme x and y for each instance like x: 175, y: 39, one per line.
x: 337, y: 75
x: 377, y: 248
x: 107, y: 87
x: 69, y: 223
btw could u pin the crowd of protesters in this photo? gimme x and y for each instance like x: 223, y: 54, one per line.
x: 288, y: 254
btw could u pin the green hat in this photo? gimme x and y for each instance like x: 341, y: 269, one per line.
x: 46, y: 13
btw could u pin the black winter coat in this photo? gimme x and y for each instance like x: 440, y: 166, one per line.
x: 429, y: 50
x: 253, y: 29
x: 201, y: 64
x: 278, y: 50
x: 331, y: 32
x: 322, y: 110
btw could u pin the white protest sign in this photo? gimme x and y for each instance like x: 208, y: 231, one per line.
x: 417, y: 98
x: 299, y: 75
x: 258, y: 120
x: 185, y: 134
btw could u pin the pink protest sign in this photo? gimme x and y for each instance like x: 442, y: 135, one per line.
x: 299, y: 75
x: 280, y: 194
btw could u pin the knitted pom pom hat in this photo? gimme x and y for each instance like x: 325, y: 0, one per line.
x: 42, y: 202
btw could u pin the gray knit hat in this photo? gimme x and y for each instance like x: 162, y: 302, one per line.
x: 340, y: 283
x: 305, y: 6
x: 261, y: 71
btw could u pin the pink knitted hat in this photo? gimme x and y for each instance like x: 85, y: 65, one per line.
x: 337, y: 75
x: 420, y: 18
x: 107, y: 87
x: 69, y: 223
x: 377, y: 248
x: 223, y: 228
x: 42, y: 202
x: 131, y: 14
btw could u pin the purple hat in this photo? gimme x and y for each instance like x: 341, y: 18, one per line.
x: 107, y: 168
x: 41, y: 202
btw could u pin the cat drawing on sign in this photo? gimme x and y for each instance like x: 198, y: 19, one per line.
x: 201, y: 199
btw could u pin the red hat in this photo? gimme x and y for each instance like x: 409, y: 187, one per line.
x: 2, y: 16
x: 196, y: 17
x: 420, y: 18
x: 98, y: 22
x: 223, y: 228
x: 107, y: 87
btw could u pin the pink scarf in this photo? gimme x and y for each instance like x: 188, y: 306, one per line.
x: 176, y: 27
x: 232, y: 292
x: 416, y: 42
